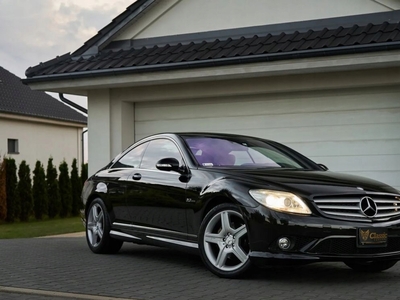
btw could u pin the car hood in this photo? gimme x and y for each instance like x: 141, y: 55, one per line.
x: 314, y: 183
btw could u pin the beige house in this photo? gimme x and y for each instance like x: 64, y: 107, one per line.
x: 35, y: 126
x: 320, y: 76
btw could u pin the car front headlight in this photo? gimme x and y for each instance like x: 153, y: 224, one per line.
x: 281, y: 201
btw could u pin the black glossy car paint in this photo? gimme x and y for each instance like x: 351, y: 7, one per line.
x: 167, y: 208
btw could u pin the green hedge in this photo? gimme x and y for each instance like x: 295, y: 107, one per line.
x: 51, y: 195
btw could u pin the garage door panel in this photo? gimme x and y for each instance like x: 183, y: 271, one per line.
x: 339, y: 148
x: 326, y: 133
x: 255, y: 121
x: 350, y: 131
x: 293, y: 133
x: 263, y: 105
x: 360, y: 163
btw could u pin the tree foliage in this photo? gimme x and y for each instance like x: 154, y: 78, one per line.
x: 11, y: 190
x: 84, y: 173
x: 3, y: 191
x: 53, y: 194
x: 65, y: 190
x: 39, y: 191
x: 24, y: 191
x: 76, y: 186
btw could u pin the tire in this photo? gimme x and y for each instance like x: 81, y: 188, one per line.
x: 223, y: 242
x: 98, y: 228
x: 371, y: 266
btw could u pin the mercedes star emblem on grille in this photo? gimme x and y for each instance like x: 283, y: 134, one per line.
x: 368, y: 207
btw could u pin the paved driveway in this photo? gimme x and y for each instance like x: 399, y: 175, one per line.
x: 64, y: 268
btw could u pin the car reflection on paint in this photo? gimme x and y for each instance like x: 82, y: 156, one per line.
x: 240, y: 201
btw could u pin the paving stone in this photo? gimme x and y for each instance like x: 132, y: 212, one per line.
x: 144, y: 272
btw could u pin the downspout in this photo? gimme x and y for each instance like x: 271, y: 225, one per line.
x: 82, y: 109
x: 83, y: 145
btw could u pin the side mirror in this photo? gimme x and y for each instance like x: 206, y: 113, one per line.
x: 323, y: 167
x: 168, y: 164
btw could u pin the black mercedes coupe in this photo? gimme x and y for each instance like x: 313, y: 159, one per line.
x: 238, y: 201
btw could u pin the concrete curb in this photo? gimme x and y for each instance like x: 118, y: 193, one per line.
x: 67, y: 235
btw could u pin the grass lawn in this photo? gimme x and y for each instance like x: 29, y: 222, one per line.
x: 40, y: 228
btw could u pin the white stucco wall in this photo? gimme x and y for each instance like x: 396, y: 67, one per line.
x: 171, y: 17
x: 40, y: 141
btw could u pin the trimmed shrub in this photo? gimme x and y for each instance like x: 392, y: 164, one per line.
x: 84, y: 173
x: 65, y: 190
x: 76, y: 186
x: 3, y: 191
x: 11, y: 190
x: 24, y: 191
x: 39, y: 191
x: 53, y: 193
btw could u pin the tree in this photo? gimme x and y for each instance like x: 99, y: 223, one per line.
x: 3, y: 191
x: 65, y: 190
x: 84, y: 173
x: 24, y: 191
x: 53, y: 193
x: 11, y: 190
x: 76, y: 186
x: 39, y: 191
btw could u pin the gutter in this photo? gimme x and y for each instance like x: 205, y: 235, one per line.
x: 221, y: 62
x: 73, y: 104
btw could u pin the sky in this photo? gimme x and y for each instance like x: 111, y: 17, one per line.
x: 34, y: 31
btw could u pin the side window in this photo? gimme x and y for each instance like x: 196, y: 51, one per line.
x: 157, y: 150
x: 132, y: 158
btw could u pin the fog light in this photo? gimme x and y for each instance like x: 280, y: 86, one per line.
x: 284, y: 243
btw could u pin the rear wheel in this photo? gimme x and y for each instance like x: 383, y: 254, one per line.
x: 98, y: 228
x: 223, y: 242
x: 371, y: 266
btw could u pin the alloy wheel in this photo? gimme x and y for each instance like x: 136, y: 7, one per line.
x: 95, y: 225
x: 225, y: 241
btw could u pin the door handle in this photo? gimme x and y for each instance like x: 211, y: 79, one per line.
x: 137, y: 176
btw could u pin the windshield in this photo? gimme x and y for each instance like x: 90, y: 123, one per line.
x: 251, y: 153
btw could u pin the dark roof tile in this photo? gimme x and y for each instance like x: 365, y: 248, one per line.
x: 302, y: 36
x: 265, y: 49
x: 391, y: 27
x: 245, y: 46
x: 309, y: 44
x: 17, y: 98
x: 251, y: 50
x: 260, y: 40
x: 339, y: 41
x: 224, y: 53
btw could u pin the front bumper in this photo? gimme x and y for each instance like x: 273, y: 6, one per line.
x: 314, y: 238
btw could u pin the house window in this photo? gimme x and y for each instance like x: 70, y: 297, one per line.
x: 13, y: 146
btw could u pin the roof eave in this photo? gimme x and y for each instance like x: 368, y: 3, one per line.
x: 219, y: 62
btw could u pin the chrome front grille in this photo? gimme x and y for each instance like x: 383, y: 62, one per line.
x: 349, y: 207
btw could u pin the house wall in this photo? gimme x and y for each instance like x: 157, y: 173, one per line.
x: 40, y: 141
x: 172, y: 17
x: 349, y: 120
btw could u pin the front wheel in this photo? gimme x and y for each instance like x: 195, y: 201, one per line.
x: 223, y: 242
x: 371, y: 266
x: 98, y: 230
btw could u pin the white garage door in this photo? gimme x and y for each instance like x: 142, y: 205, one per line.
x: 356, y: 131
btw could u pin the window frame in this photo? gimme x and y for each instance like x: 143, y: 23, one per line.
x: 183, y: 160
x: 15, y: 146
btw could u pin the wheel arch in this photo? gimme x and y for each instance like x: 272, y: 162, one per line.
x: 92, y: 197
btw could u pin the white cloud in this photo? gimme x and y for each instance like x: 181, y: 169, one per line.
x: 39, y: 30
